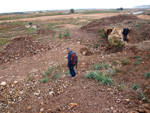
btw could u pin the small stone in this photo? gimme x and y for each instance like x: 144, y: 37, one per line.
x: 36, y: 94
x: 71, y: 105
x: 42, y: 109
x: 15, y: 82
x: 108, y: 89
x: 51, y: 93
x: 111, y: 108
x: 3, y: 84
x: 127, y: 100
x: 29, y: 107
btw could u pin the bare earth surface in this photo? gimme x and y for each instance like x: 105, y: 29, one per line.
x: 24, y: 92
x: 43, y: 18
x: 144, y: 17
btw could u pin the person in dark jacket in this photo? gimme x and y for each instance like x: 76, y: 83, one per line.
x: 71, y: 66
x: 125, y: 33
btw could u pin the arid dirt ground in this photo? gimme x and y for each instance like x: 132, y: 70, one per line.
x: 34, y: 66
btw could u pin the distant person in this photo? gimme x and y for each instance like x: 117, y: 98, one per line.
x: 72, y: 61
x: 125, y: 33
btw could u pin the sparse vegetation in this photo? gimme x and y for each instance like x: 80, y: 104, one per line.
x: 138, y: 61
x: 100, y: 11
x: 99, y: 76
x: 96, y: 45
x: 67, y: 33
x: 147, y: 75
x: 97, y: 66
x: 136, y: 25
x: 106, y: 66
x: 111, y: 72
x: 31, y: 31
x: 60, y: 35
x: 102, y: 34
x: 148, y: 55
x: 44, y: 80
x: 3, y: 41
x: 117, y: 70
x: 125, y: 62
x: 121, y: 87
x: 143, y: 96
x: 135, y: 86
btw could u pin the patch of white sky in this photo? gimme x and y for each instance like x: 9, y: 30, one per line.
x: 34, y: 5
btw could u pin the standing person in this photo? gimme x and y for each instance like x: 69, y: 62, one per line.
x: 71, y: 62
x: 125, y: 33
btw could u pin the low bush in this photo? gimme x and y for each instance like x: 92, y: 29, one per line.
x: 147, y: 75
x: 99, y: 76
x: 135, y: 86
x: 125, y: 62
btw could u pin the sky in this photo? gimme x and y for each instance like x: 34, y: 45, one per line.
x: 34, y: 5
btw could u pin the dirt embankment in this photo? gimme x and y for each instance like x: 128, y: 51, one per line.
x: 95, y: 26
x: 20, y: 47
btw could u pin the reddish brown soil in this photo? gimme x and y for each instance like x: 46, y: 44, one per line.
x: 29, y: 95
x: 95, y: 26
x: 20, y: 47
x: 144, y: 17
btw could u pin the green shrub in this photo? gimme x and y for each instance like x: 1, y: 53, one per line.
x: 143, y: 97
x: 102, y: 33
x: 67, y: 33
x: 99, y: 76
x: 136, y: 57
x: 3, y: 41
x: 44, y: 80
x: 117, y: 70
x: 135, y: 86
x: 125, y: 62
x: 96, y: 45
x: 147, y: 75
x: 138, y: 61
x: 60, y: 35
x: 90, y: 75
x: 105, y: 65
x: 45, y: 74
x: 31, y: 31
x: 136, y: 25
x: 96, y: 66
x: 148, y: 55
x: 111, y: 72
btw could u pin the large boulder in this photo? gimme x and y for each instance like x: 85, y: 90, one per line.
x: 115, y: 37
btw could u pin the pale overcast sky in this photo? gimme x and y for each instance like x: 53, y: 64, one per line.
x: 32, y: 5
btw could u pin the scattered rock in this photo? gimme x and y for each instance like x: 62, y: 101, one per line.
x: 72, y: 105
x: 85, y: 51
x: 42, y: 109
x: 15, y: 82
x: 3, y: 84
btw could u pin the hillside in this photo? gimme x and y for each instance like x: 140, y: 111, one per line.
x: 34, y: 76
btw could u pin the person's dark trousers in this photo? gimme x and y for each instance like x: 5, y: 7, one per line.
x: 124, y: 38
x: 72, y: 71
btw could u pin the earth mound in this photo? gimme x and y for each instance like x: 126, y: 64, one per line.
x: 20, y: 47
x: 95, y: 26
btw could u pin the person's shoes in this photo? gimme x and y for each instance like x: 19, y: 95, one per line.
x: 73, y: 77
